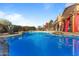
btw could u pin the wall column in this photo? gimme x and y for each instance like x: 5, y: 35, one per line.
x: 73, y: 18
x: 56, y: 27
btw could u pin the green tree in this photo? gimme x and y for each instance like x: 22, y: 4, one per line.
x: 40, y: 28
x: 7, y: 25
x: 50, y: 24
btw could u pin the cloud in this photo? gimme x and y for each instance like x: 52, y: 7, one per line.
x: 47, y: 6
x: 2, y: 14
x: 17, y: 19
x: 68, y: 4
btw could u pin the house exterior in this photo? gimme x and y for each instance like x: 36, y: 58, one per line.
x: 69, y: 20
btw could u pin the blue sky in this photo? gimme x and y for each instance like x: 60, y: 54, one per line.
x: 31, y: 14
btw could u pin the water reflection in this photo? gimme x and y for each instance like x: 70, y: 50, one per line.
x: 75, y: 47
x: 70, y: 42
x: 65, y: 41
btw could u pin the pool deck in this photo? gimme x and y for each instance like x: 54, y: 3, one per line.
x: 10, y: 35
x: 66, y: 33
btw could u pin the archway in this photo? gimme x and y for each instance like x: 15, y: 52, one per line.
x: 67, y: 22
x: 76, y: 23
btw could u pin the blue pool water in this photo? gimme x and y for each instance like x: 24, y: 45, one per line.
x: 43, y: 44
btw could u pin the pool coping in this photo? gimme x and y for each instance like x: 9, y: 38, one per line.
x: 50, y: 32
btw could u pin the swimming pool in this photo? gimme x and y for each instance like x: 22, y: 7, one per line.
x: 43, y: 44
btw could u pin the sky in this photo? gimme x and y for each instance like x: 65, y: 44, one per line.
x: 31, y: 14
